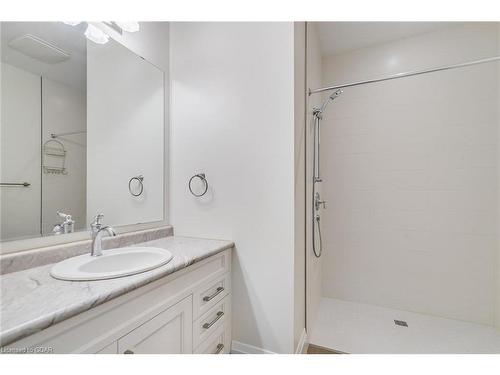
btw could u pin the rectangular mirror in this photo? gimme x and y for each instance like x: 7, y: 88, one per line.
x: 82, y: 131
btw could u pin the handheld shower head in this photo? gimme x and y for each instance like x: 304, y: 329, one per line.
x: 335, y: 94
x: 319, y: 111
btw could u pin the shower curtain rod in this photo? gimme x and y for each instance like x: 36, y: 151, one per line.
x: 404, y: 74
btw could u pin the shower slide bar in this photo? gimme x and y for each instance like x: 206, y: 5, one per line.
x: 405, y: 74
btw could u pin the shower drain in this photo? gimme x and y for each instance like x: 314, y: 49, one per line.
x: 401, y: 323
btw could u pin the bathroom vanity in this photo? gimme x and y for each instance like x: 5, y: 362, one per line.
x: 181, y: 307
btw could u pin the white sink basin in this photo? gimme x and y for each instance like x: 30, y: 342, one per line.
x: 114, y: 263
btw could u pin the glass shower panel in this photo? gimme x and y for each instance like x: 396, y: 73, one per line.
x: 20, y: 153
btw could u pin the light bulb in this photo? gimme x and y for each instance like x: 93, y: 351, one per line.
x: 96, y: 35
x: 130, y: 27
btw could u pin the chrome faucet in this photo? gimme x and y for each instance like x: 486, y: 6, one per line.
x: 67, y: 226
x: 97, y: 230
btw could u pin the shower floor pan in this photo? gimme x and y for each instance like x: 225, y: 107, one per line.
x: 357, y: 328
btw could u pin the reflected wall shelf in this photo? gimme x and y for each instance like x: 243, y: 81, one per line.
x: 54, y: 157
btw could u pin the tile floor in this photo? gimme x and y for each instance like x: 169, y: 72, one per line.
x: 350, y: 327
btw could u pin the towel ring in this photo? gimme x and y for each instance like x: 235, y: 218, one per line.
x: 202, y: 177
x: 139, y: 179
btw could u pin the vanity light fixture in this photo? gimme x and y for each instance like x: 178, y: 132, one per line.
x: 96, y: 35
x: 130, y: 27
x: 92, y: 32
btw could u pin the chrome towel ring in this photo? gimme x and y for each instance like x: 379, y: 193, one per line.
x: 139, y: 179
x: 203, y: 179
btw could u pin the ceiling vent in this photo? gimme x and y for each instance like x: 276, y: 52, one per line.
x: 39, y: 49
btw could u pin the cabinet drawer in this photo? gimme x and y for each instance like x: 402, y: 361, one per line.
x: 218, y: 343
x: 169, y: 332
x: 209, y: 294
x: 209, y: 322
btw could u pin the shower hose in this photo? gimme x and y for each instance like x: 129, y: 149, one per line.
x: 317, y: 252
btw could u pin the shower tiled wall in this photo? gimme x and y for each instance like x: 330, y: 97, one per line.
x: 313, y: 264
x: 410, y: 171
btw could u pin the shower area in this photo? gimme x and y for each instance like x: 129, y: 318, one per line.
x: 402, y: 172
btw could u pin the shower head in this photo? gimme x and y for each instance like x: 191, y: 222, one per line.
x: 319, y: 111
x: 335, y: 94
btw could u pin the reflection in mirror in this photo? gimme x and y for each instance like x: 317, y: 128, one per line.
x: 82, y: 131
x: 125, y: 136
x: 43, y: 117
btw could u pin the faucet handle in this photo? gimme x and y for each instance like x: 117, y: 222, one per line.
x: 67, y: 218
x: 318, y: 202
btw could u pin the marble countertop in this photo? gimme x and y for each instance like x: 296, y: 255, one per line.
x: 32, y: 300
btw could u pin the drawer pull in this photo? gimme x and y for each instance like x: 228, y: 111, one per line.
x: 128, y: 351
x: 217, y: 292
x: 219, y: 349
x: 208, y: 325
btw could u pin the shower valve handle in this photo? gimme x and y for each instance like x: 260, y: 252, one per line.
x: 318, y: 202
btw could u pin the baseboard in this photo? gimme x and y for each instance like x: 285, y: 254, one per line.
x: 241, y: 348
x: 303, y: 343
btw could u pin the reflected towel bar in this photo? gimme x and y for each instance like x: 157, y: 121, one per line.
x: 25, y: 184
x: 54, y: 135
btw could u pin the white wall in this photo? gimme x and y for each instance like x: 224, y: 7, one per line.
x: 64, y: 110
x: 150, y: 42
x: 20, y: 152
x: 125, y: 134
x: 410, y: 171
x: 313, y: 264
x: 232, y: 118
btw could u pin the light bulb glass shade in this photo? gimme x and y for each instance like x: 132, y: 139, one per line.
x: 130, y: 27
x: 96, y: 35
x: 72, y: 23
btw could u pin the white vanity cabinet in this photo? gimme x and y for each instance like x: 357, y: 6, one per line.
x: 188, y: 311
x: 170, y: 332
